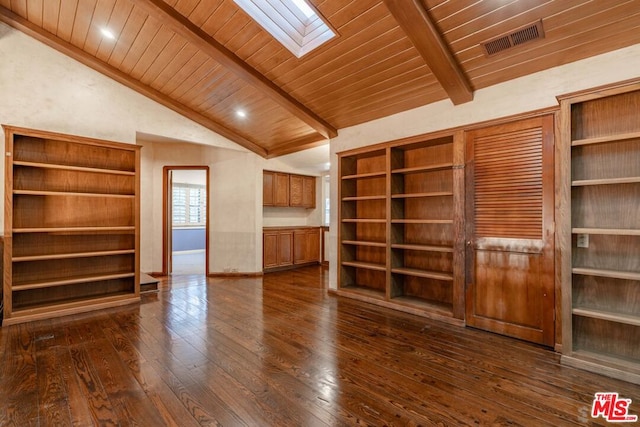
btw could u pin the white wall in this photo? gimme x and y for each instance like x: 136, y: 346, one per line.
x: 235, y: 222
x: 41, y: 88
x: 521, y: 95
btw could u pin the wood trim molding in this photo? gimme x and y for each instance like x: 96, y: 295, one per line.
x: 223, y: 275
x: 208, y: 45
x: 165, y: 217
x: 299, y: 144
x: 415, y: 22
x: 449, y: 131
x: 596, y: 92
x: 21, y: 24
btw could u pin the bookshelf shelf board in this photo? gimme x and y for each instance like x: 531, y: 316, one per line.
x: 423, y: 273
x: 425, y: 248
x: 365, y: 175
x: 605, y: 315
x: 73, y: 168
x: 364, y: 243
x: 419, y: 169
x: 606, y: 231
x: 72, y: 255
x: 71, y: 194
x: 365, y: 265
x: 606, y: 138
x: 415, y: 195
x: 614, y: 274
x: 70, y: 281
x: 605, y: 181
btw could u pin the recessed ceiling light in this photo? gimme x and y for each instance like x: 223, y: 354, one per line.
x: 107, y: 33
x: 241, y: 114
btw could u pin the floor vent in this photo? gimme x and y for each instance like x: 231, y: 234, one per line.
x: 514, y: 38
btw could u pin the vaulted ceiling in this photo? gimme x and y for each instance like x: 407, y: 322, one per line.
x: 206, y: 59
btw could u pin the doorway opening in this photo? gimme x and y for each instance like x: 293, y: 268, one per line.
x: 185, y: 220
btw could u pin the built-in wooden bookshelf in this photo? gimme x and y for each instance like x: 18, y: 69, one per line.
x: 601, y: 265
x: 401, y: 208
x: 71, y: 224
x: 363, y: 223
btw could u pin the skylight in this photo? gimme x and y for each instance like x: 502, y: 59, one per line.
x: 293, y: 23
x: 304, y: 8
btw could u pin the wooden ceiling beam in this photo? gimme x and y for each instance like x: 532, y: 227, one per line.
x: 208, y: 45
x: 21, y: 24
x: 417, y: 25
x: 298, y: 144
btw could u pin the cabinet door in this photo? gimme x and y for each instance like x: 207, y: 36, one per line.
x: 268, y: 188
x: 299, y: 247
x: 306, y: 246
x: 313, y: 245
x: 269, y: 250
x: 309, y: 192
x: 281, y: 194
x: 285, y: 248
x: 296, y: 191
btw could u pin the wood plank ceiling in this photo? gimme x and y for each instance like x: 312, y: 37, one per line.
x: 207, y: 58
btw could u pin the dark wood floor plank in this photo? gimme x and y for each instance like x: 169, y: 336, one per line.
x: 265, y: 387
x: 205, y: 408
x: 158, y: 393
x: 18, y: 379
x: 102, y: 409
x: 53, y: 402
x: 123, y: 390
x: 279, y: 350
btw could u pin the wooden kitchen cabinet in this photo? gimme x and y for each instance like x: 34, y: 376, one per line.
x: 295, y: 191
x: 309, y: 192
x: 306, y: 244
x: 275, y: 189
x: 288, y: 190
x: 286, y: 247
x: 281, y: 189
x: 268, y: 188
x: 277, y: 248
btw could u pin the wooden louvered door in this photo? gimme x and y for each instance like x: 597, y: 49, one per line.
x: 510, y: 230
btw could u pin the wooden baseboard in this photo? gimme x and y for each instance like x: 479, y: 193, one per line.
x: 291, y: 267
x: 157, y: 274
x: 240, y: 274
x: 620, y: 370
x: 407, y: 308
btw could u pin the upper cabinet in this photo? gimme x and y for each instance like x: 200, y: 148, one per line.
x: 275, y: 189
x: 288, y: 190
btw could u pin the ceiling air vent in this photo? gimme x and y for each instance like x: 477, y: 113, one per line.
x: 514, y: 38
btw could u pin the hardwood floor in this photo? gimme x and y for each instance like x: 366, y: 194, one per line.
x: 279, y: 351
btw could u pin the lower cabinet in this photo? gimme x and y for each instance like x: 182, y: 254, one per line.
x: 306, y: 246
x: 287, y: 247
x: 277, y: 249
